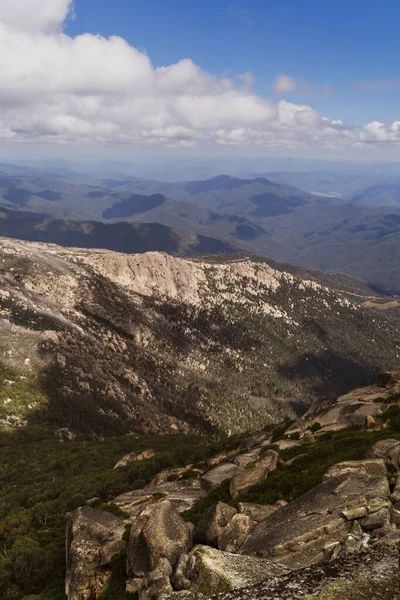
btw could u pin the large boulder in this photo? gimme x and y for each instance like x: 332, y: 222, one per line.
x: 245, y: 480
x: 216, y: 476
x: 93, y: 538
x: 182, y: 494
x: 210, y: 571
x: 389, y: 451
x: 213, y: 522
x: 235, y: 533
x: 159, y: 532
x: 316, y: 526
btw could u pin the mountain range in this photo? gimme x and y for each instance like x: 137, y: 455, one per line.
x: 358, y: 236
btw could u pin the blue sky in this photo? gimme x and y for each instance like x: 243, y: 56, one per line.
x: 249, y: 77
x: 336, y: 43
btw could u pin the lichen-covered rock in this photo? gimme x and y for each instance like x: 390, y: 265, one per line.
x: 213, y: 522
x: 235, y: 533
x: 305, y: 531
x: 159, y: 532
x: 93, y: 538
x: 219, y: 474
x: 212, y: 571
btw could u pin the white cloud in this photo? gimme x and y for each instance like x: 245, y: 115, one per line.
x: 284, y: 84
x: 91, y: 89
x: 34, y: 15
x: 379, y: 132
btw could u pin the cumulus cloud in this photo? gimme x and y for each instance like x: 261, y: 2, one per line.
x: 379, y: 132
x: 92, y: 89
x: 34, y: 15
x: 284, y: 84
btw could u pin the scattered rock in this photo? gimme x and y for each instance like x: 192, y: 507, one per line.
x: 132, y: 457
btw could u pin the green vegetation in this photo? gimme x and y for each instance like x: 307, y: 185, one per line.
x: 20, y: 393
x: 311, y: 462
x: 41, y: 479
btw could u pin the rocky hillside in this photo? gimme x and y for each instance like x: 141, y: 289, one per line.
x: 103, y: 343
x: 315, y: 517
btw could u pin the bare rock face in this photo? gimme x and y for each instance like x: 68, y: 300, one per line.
x: 93, y: 538
x: 210, y: 571
x: 218, y: 475
x: 213, y: 523
x: 316, y: 526
x: 182, y: 494
x: 158, y: 533
x: 235, y: 533
x: 389, y: 451
x: 258, y: 512
x: 245, y: 480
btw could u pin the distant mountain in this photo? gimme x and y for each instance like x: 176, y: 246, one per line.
x: 221, y: 214
x: 385, y: 194
x: 334, y: 184
x: 121, y: 236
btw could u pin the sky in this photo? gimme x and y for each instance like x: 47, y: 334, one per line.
x: 295, y: 77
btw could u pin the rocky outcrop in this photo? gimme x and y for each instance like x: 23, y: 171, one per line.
x: 159, y: 536
x: 245, y: 480
x: 235, y: 533
x: 316, y: 526
x: 132, y: 457
x: 361, y: 407
x: 213, y: 523
x: 94, y: 537
x: 389, y: 451
x: 371, y: 575
x: 219, y: 474
x: 182, y: 494
x: 210, y: 571
x: 159, y: 532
